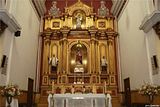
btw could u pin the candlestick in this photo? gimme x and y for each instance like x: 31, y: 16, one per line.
x: 105, y: 88
x: 53, y: 86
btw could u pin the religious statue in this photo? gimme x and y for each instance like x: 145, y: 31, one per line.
x: 78, y: 20
x: 78, y: 57
x: 103, y: 10
x: 54, y: 11
x: 104, y: 64
x: 54, y: 62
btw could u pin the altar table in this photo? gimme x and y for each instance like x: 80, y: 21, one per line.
x: 77, y: 100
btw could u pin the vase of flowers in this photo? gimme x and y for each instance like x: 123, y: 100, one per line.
x: 10, y: 91
x: 150, y: 91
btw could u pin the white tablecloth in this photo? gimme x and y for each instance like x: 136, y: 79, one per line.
x: 109, y: 100
x: 14, y: 103
x: 79, y: 100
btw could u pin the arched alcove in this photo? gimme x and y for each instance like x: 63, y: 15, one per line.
x: 78, y: 57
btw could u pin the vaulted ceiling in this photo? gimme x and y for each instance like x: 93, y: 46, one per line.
x: 62, y: 3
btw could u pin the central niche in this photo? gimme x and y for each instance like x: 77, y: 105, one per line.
x: 78, y: 58
x: 79, y: 19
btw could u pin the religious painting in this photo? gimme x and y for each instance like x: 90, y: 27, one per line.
x: 56, y: 24
x: 101, y: 24
x: 45, y: 80
x: 94, y: 79
x: 112, y: 80
x: 63, y: 79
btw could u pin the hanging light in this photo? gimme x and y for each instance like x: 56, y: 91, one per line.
x: 79, y: 45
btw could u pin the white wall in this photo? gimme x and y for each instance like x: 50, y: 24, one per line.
x: 133, y: 44
x: 5, y: 43
x: 1, y: 45
x: 157, y: 77
x: 23, y: 49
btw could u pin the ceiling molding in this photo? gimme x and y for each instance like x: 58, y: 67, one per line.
x: 117, y: 7
x: 39, y: 6
x: 9, y: 20
x: 149, y: 21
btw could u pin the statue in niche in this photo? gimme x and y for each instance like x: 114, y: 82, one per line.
x: 79, y: 19
x: 104, y: 64
x: 54, y: 11
x: 78, y: 57
x: 54, y: 62
x: 103, y: 10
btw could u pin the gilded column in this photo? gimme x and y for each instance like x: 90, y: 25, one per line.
x: 46, y: 51
x: 93, y: 49
x: 92, y: 56
x: 64, y: 55
x: 97, y: 62
x: 60, y: 56
x: 111, y: 49
x: 64, y: 49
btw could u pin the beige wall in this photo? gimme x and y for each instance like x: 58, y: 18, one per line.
x: 22, y: 51
x: 157, y: 45
x: 134, y: 52
x: 6, y: 42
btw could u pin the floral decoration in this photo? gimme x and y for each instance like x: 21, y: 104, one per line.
x: 10, y: 91
x: 149, y: 90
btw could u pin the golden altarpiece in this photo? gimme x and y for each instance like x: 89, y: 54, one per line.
x: 79, y: 38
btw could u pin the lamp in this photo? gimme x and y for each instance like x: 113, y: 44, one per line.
x: 79, y: 45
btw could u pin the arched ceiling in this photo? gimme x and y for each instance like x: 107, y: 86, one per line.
x: 62, y: 3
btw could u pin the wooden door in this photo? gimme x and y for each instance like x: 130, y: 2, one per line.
x: 127, y: 92
x: 30, y: 93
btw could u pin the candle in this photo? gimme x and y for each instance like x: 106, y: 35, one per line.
x: 105, y: 88
x: 53, y: 86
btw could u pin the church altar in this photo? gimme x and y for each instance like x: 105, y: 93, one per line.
x: 79, y: 100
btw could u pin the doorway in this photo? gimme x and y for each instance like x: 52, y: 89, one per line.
x: 30, y: 92
x: 127, y: 92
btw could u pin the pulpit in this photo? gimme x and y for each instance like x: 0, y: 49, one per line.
x: 78, y: 100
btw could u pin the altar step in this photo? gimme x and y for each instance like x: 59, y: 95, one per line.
x: 42, y: 105
x: 42, y: 102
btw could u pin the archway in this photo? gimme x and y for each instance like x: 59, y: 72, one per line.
x: 78, y: 57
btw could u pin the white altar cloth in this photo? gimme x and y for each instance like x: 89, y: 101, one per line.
x: 78, y: 100
x: 14, y: 103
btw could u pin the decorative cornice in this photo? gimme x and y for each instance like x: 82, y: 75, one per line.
x: 117, y: 7
x: 40, y: 7
x: 9, y: 20
x: 150, y: 20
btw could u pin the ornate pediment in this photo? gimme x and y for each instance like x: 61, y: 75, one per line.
x: 79, y: 6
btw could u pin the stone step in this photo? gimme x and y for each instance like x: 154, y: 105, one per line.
x: 42, y: 105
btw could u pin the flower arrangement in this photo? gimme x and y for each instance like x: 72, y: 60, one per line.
x: 10, y: 91
x: 149, y: 90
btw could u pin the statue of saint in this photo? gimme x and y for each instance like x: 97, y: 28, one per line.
x: 78, y: 20
x: 78, y: 57
x: 54, y: 11
x: 104, y: 64
x: 103, y: 10
x: 54, y: 62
